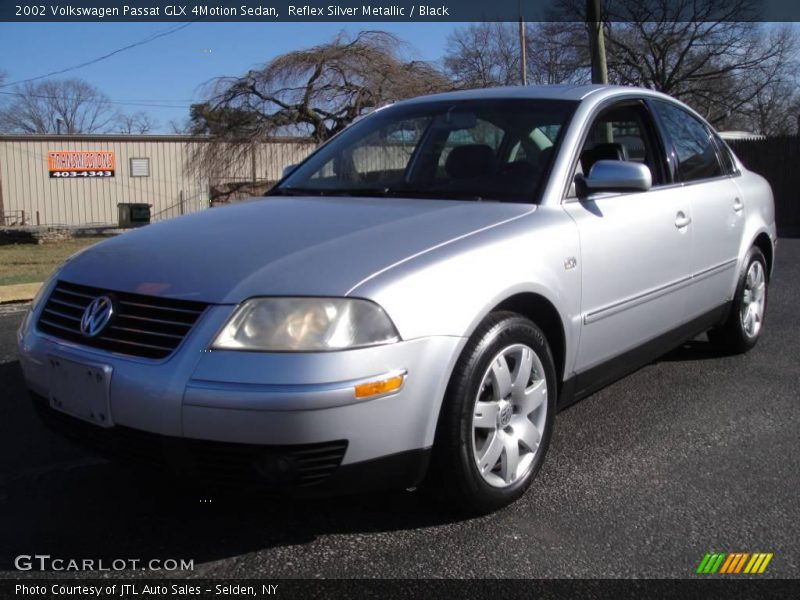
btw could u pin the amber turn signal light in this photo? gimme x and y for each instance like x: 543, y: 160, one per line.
x: 379, y: 387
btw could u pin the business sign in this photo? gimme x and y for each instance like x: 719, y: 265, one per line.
x: 73, y: 164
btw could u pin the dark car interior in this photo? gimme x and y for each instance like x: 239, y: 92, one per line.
x: 480, y: 151
x: 622, y: 133
x: 602, y: 151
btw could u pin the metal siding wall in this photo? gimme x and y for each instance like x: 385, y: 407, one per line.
x: 273, y: 157
x: 77, y: 201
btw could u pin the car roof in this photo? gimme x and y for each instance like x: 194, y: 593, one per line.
x: 540, y: 92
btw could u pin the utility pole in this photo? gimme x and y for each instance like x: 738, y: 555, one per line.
x: 523, y: 55
x: 597, y: 44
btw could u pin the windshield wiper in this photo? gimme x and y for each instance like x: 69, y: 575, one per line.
x: 379, y: 192
x: 406, y: 193
x: 291, y: 191
x: 367, y: 192
x: 438, y: 194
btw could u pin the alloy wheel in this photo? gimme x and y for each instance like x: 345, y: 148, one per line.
x: 751, y: 310
x: 509, y: 416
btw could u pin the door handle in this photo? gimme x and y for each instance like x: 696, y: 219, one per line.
x: 738, y: 205
x: 681, y: 220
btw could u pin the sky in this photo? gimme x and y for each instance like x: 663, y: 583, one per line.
x: 172, y: 70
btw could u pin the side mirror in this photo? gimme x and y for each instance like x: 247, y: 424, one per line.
x: 618, y: 175
x: 287, y: 170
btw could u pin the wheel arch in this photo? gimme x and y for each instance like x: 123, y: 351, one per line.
x: 544, y: 314
x: 763, y: 242
x: 541, y: 311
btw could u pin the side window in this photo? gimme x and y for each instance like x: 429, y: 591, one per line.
x: 726, y: 155
x: 622, y: 133
x: 697, y: 154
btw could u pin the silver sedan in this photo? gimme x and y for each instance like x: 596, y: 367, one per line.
x: 412, y: 304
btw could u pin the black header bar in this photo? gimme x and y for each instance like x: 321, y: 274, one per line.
x: 391, y: 10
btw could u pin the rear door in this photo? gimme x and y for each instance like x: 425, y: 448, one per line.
x: 635, y: 247
x: 717, y: 205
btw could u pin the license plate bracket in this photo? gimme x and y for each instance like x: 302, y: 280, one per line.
x: 80, y: 389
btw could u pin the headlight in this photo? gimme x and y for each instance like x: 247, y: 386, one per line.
x: 306, y: 324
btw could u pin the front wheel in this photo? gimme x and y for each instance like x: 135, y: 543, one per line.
x: 497, y: 417
x: 742, y: 328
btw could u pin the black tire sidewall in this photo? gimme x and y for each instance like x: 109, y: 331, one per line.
x: 738, y: 339
x: 499, y: 331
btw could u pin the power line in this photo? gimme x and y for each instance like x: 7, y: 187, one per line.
x: 146, y: 40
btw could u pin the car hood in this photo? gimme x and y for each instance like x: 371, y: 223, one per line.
x: 279, y: 246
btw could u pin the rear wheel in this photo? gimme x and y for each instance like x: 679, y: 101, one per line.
x: 497, y: 418
x: 744, y: 324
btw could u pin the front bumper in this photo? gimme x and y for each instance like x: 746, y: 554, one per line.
x: 260, y: 403
x: 296, y: 469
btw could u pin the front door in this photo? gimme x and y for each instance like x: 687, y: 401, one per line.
x: 636, y: 248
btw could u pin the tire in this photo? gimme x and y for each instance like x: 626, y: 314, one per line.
x: 745, y: 322
x: 488, y: 417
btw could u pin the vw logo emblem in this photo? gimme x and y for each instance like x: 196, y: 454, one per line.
x: 504, y: 414
x: 96, y: 316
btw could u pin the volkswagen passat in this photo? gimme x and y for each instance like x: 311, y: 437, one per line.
x: 416, y: 300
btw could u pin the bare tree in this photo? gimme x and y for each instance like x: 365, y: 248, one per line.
x: 556, y: 54
x: 68, y: 105
x: 712, y: 54
x: 139, y: 122
x: 315, y: 93
x: 717, y: 61
x: 180, y: 127
x: 768, y: 98
x: 774, y: 111
x: 487, y: 54
x: 483, y: 55
x: 321, y: 90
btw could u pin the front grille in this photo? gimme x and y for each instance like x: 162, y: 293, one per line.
x: 271, y: 467
x: 143, y: 326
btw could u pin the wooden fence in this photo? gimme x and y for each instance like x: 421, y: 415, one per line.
x: 777, y: 159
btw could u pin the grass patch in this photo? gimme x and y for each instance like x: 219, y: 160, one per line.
x: 31, y: 263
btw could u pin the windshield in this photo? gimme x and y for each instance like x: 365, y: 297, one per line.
x: 468, y: 149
